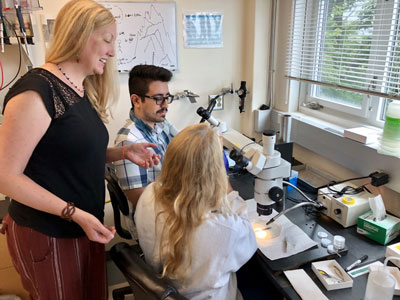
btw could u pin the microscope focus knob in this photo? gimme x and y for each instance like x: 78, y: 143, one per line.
x: 337, y: 211
x: 275, y: 193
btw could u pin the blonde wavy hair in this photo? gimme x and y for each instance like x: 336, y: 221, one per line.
x: 73, y: 26
x: 192, y: 183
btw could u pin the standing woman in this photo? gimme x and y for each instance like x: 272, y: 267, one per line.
x: 53, y: 150
x: 189, y: 230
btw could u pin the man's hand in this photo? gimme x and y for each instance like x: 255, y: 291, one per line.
x: 141, y: 155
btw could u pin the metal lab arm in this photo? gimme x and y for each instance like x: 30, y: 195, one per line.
x: 310, y: 202
x: 300, y: 192
x: 291, y: 208
x: 211, y: 105
x: 21, y: 24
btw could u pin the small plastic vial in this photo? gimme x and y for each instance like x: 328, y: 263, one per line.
x: 339, y: 242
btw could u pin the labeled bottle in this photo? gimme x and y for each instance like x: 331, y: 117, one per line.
x: 390, y: 141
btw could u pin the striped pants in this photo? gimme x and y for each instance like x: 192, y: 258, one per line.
x: 57, y: 268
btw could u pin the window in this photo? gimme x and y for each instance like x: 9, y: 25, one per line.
x: 346, y: 55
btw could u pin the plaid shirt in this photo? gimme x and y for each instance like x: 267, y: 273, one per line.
x: 130, y: 175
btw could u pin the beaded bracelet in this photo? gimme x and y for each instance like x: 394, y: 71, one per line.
x: 68, y: 211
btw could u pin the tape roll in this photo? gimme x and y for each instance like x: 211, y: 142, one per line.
x: 348, y: 200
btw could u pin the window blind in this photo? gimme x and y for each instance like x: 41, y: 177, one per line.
x: 347, y: 44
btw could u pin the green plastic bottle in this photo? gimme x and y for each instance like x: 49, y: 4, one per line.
x: 390, y: 141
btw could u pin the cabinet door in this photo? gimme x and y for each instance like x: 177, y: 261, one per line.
x: 10, y: 282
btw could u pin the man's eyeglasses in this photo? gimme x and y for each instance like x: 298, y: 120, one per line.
x: 160, y: 99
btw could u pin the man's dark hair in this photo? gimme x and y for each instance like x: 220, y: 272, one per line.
x: 141, y: 76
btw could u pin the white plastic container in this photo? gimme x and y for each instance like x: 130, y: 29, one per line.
x: 339, y: 242
x: 381, y: 283
x: 390, y: 141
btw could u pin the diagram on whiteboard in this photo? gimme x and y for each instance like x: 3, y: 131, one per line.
x: 146, y: 34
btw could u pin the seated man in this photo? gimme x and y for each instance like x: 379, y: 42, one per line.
x: 149, y: 94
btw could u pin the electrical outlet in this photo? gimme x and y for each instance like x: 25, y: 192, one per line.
x: 219, y: 105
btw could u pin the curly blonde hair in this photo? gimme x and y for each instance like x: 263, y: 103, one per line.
x: 192, y: 183
x: 73, y: 26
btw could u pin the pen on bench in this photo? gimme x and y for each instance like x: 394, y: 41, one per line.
x: 356, y: 263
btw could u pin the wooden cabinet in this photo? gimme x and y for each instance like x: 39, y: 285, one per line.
x: 10, y: 282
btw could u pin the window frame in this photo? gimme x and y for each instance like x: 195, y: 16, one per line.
x: 341, y: 113
x: 372, y: 106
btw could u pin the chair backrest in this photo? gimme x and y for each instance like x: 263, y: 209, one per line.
x: 146, y: 284
x: 119, y: 201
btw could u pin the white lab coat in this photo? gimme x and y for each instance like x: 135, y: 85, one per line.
x: 221, y: 245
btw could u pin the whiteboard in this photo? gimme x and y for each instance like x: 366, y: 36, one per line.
x: 146, y: 34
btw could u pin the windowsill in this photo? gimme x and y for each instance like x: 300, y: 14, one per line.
x: 335, y: 129
x: 326, y: 139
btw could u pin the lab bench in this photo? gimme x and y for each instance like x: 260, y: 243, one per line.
x: 356, y: 246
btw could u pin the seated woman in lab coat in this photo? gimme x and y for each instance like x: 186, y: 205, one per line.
x: 189, y: 229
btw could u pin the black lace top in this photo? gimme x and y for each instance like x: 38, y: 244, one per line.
x: 69, y: 160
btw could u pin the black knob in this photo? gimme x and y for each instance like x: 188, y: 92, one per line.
x: 269, y: 133
x: 264, y: 210
x: 275, y: 193
x: 203, y: 113
x: 337, y: 211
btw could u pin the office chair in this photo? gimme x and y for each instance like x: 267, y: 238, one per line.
x: 144, y: 283
x: 119, y: 201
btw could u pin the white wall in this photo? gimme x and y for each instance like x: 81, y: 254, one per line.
x: 255, y: 61
x: 203, y: 71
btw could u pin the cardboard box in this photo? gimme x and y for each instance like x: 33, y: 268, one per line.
x: 365, y: 135
x: 331, y: 275
x: 5, y: 259
x: 396, y: 275
x: 10, y: 281
x: 393, y: 250
x: 380, y: 231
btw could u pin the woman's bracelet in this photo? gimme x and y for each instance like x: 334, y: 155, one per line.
x: 68, y: 211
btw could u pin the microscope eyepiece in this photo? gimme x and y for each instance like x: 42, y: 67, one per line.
x: 238, y: 158
x: 206, y: 115
x: 203, y: 113
x: 269, y: 132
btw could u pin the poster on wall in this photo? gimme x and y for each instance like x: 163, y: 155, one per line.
x: 203, y: 30
x: 146, y: 34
